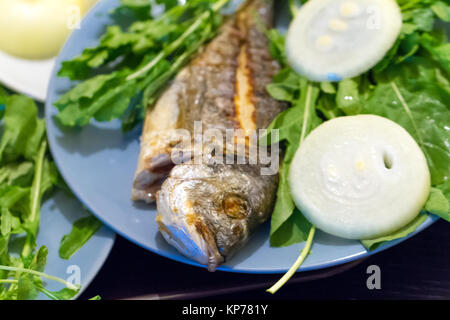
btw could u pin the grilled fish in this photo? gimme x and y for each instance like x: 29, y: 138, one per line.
x: 208, y: 210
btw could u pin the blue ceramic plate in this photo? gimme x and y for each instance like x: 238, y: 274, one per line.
x: 99, y: 161
x: 57, y: 216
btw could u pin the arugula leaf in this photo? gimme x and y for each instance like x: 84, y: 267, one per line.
x: 409, y: 86
x: 17, y: 173
x: 143, y: 58
x: 28, y: 283
x: 63, y: 294
x: 104, y: 97
x: 293, y: 125
x: 39, y: 260
x: 42, y: 182
x: 442, y: 10
x: 23, y: 130
x: 10, y: 195
x: 393, y: 52
x: 421, y: 107
x: 284, y: 86
x: 82, y: 230
x: 327, y: 87
x: 277, y: 45
x: 27, y: 174
x: 423, y: 18
x: 418, y: 22
x: 293, y: 230
x: 26, y: 289
x: 438, y: 204
x: 142, y: 9
x: 403, y: 232
x: 135, y: 9
x: 440, y: 52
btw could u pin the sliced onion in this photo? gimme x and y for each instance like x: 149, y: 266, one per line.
x: 37, y: 29
x: 359, y: 177
x: 330, y: 40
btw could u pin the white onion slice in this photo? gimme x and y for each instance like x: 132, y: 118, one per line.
x: 330, y: 40
x: 359, y: 177
x: 36, y: 29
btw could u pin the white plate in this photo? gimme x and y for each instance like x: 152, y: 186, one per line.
x: 30, y: 77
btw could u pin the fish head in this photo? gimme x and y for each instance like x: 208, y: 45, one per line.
x: 207, y: 211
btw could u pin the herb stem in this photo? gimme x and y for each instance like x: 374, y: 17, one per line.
x: 174, y: 45
x: 35, y: 203
x: 37, y: 181
x: 40, y: 274
x: 307, y: 113
x: 304, y: 253
x: 9, y: 281
x: 158, y: 83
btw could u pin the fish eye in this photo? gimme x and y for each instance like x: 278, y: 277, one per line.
x: 235, y: 206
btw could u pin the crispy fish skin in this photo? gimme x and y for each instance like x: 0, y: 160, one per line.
x: 208, y: 211
x: 227, y: 84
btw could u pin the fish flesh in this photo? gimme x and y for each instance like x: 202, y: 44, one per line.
x: 209, y: 210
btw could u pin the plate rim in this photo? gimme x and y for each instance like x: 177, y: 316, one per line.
x: 178, y: 257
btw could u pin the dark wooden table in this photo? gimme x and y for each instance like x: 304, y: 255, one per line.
x: 416, y: 269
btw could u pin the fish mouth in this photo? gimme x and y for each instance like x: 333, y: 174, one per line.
x: 186, y: 231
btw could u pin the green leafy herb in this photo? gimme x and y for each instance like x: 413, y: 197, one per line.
x: 409, y: 86
x: 63, y: 294
x: 438, y: 204
x: 442, y: 10
x: 403, y: 232
x: 27, y: 175
x: 23, y: 130
x: 142, y: 58
x: 419, y: 105
x: 293, y: 126
x: 82, y: 230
